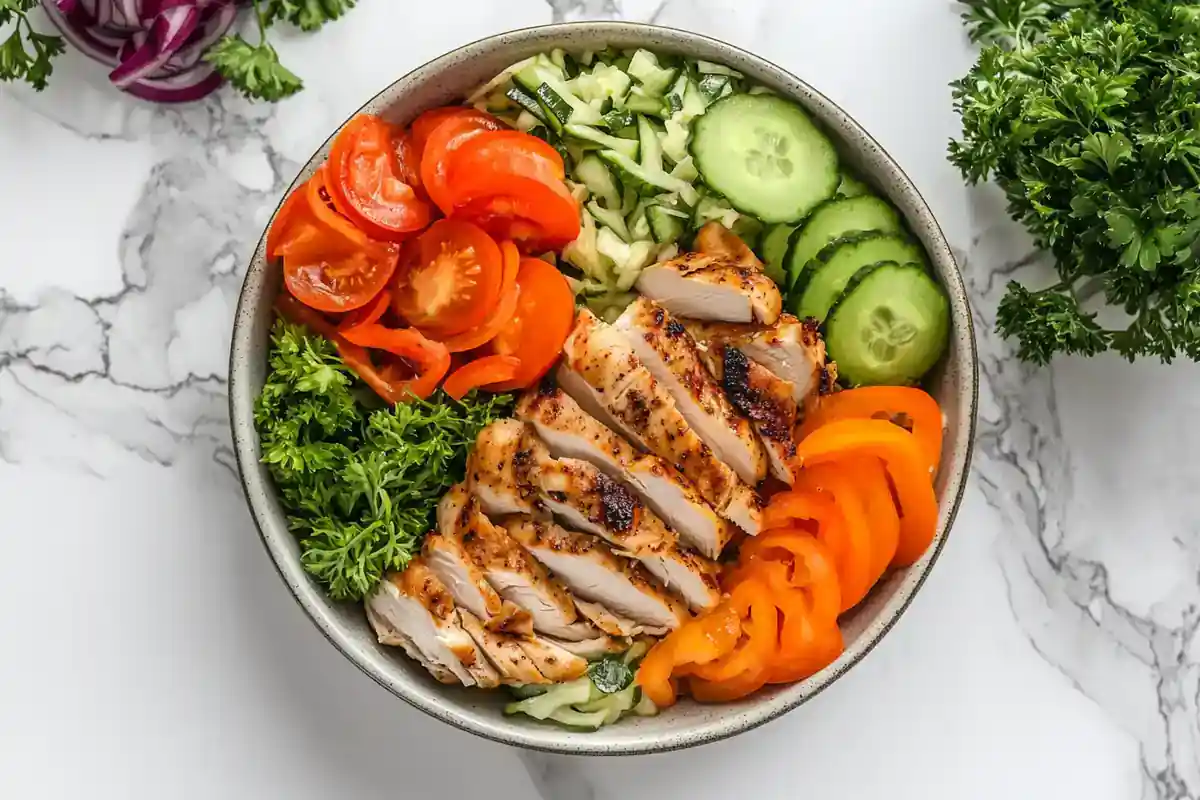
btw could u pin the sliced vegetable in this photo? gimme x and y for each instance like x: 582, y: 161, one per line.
x: 425, y: 361
x: 540, y: 325
x: 342, y: 279
x: 859, y: 549
x: 913, y: 409
x: 537, y: 216
x: 368, y: 314
x: 450, y: 134
x: 822, y: 281
x: 451, y: 279
x: 835, y: 219
x: 481, y: 373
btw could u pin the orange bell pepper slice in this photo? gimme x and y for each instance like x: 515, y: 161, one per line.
x: 871, y: 479
x: 752, y: 602
x: 814, y: 570
x: 906, y: 406
x: 905, y: 464
x: 836, y: 480
x: 654, y: 674
x: 806, y: 644
x: 697, y: 642
x: 850, y: 546
x: 734, y: 688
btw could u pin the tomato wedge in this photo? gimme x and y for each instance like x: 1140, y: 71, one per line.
x: 444, y: 140
x: 480, y: 373
x: 451, y: 279
x: 428, y: 359
x: 370, y: 185
x: 499, y: 155
x: 498, y: 319
x: 536, y: 215
x: 540, y: 324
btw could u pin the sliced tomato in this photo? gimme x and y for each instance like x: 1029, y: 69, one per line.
x: 369, y: 184
x: 480, y: 373
x: 368, y: 314
x: 284, y: 217
x: 451, y: 134
x: 425, y: 361
x: 540, y: 324
x: 451, y: 279
x: 407, y: 159
x: 500, y: 155
x: 337, y: 282
x: 498, y: 319
x: 537, y: 216
x: 297, y: 313
x: 423, y: 126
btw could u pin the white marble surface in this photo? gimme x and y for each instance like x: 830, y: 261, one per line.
x: 150, y: 651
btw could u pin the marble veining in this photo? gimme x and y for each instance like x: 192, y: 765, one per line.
x: 121, y: 254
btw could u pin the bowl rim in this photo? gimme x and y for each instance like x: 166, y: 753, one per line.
x: 243, y: 434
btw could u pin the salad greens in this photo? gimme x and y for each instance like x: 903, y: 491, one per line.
x: 359, y: 483
x: 1084, y: 112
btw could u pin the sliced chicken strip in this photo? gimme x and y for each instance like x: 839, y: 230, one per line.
x: 417, y: 607
x: 557, y: 663
x: 491, y: 471
x: 790, y: 349
x: 392, y: 638
x: 504, y: 651
x: 592, y: 572
x: 613, y: 623
x: 688, y: 574
x: 570, y: 433
x: 712, y: 288
x: 446, y: 555
x: 670, y: 353
x: 519, y: 578
x: 643, y: 405
x: 592, y: 649
x: 715, y: 240
x: 762, y: 397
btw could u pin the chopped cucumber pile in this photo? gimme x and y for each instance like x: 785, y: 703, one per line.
x: 657, y: 146
x: 603, y: 696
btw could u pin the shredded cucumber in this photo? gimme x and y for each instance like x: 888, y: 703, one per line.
x: 581, y: 703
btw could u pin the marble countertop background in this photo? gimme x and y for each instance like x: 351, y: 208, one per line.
x: 150, y: 651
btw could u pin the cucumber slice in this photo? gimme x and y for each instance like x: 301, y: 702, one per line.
x: 576, y: 719
x: 766, y: 156
x: 641, y: 103
x: 834, y: 220
x: 666, y: 225
x: 633, y: 174
x: 599, y: 180
x: 889, y: 327
x: 560, y: 696
x: 645, y: 69
x: 526, y: 101
x: 611, y: 219
x: 626, y: 147
x: 709, y: 68
x: 651, y: 146
x: 852, y: 186
x: 774, y: 251
x: 825, y: 277
x: 713, y: 86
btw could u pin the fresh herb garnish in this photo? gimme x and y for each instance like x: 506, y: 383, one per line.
x: 26, y: 55
x: 610, y: 674
x: 360, y: 485
x: 1084, y: 112
x: 255, y: 70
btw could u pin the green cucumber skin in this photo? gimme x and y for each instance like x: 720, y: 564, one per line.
x: 806, y: 170
x: 798, y: 250
x: 846, y: 368
x: 812, y: 269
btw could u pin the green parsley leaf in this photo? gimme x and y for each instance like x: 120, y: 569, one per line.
x: 253, y: 71
x: 308, y: 15
x: 26, y: 55
x: 359, y: 484
x: 1084, y: 113
x: 610, y: 674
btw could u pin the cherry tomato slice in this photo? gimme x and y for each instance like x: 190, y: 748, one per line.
x: 540, y: 325
x: 428, y: 359
x: 423, y: 126
x: 284, y: 217
x: 444, y: 140
x: 451, y: 280
x: 480, y: 373
x: 368, y: 314
x: 498, y: 319
x: 537, y: 216
x: 367, y: 181
x: 504, y: 154
x: 328, y: 278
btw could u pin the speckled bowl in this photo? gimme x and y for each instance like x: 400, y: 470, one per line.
x: 445, y: 80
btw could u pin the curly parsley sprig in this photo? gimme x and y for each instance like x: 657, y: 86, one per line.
x: 359, y: 483
x: 1084, y: 112
x: 26, y: 55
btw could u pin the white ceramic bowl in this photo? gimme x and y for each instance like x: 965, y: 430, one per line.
x: 448, y: 79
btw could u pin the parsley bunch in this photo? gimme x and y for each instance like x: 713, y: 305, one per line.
x: 26, y: 55
x: 1086, y: 114
x: 255, y: 70
x: 360, y: 484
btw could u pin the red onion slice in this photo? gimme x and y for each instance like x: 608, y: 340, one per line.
x: 167, y: 34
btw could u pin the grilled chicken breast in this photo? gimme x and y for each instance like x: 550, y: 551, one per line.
x: 555, y: 662
x: 447, y: 556
x: 569, y: 432
x: 762, y: 397
x: 592, y: 649
x: 504, y: 650
x: 631, y: 395
x: 670, y: 353
x: 712, y: 288
x: 790, y: 349
x: 519, y: 578
x: 414, y: 609
x: 491, y: 471
x: 714, y: 239
x: 590, y: 569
